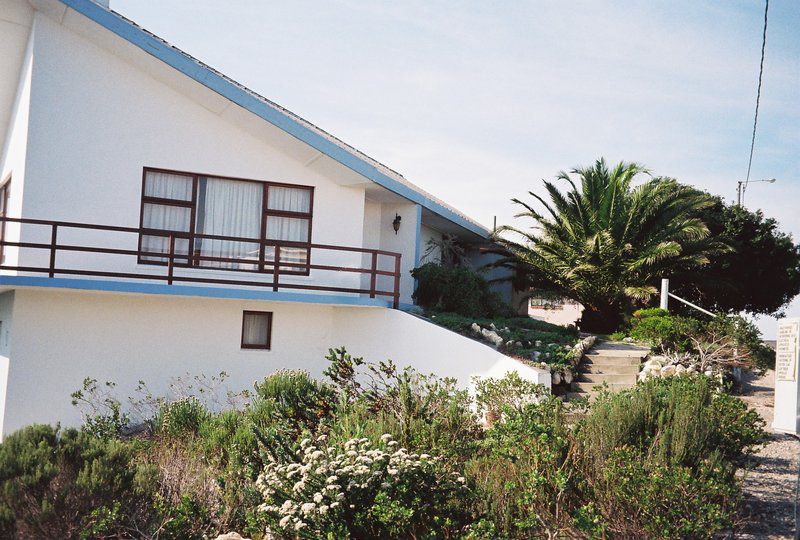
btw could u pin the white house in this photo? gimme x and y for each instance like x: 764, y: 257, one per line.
x: 158, y: 218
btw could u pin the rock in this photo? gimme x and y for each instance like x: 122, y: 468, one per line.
x: 231, y: 536
x: 568, y: 377
x: 535, y: 356
x: 493, y: 327
x: 538, y: 343
x: 653, y: 363
x: 476, y: 327
x: 708, y: 373
x: 556, y: 378
x: 691, y: 369
x: 627, y: 340
x: 680, y: 369
x: 667, y: 371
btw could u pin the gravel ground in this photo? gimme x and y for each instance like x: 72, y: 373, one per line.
x: 769, y: 488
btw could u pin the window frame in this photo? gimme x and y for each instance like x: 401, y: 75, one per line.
x: 264, y: 266
x: 251, y: 347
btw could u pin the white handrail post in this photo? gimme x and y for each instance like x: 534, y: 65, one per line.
x: 664, y: 293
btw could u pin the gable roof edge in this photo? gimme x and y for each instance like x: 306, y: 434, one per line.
x: 240, y: 96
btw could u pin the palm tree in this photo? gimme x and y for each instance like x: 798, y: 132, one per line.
x: 608, y: 243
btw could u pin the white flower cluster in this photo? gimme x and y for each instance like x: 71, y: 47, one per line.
x: 311, y: 495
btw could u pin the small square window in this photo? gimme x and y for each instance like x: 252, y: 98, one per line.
x: 256, y: 330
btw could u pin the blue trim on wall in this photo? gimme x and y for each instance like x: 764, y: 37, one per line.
x: 189, y: 290
x: 237, y: 95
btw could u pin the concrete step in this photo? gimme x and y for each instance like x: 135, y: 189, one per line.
x: 619, y: 350
x: 595, y: 360
x: 611, y: 369
x: 599, y: 378
x: 590, y: 386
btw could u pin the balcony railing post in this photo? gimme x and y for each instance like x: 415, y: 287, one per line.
x: 276, y: 268
x: 373, y: 277
x: 53, y: 242
x: 396, y: 303
x: 171, y: 260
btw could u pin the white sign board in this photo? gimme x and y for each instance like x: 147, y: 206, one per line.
x: 786, y: 351
x: 787, y: 391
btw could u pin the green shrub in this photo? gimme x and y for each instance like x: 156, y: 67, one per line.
x: 746, y: 335
x: 658, y: 460
x: 181, y: 417
x: 294, y: 397
x: 667, y: 501
x: 53, y: 481
x: 676, y: 420
x: 664, y: 331
x: 419, y: 411
x: 525, y: 480
x: 493, y: 396
x: 646, y: 313
x: 363, y: 490
x: 458, y: 290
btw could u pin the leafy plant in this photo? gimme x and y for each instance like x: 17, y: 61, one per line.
x: 493, y: 396
x: 357, y: 491
x: 456, y: 289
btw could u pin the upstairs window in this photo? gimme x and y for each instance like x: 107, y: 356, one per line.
x: 214, y: 218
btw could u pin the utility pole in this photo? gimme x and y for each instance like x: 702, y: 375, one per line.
x: 739, y: 193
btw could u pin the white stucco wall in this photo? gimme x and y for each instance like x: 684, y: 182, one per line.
x: 428, y: 235
x: 14, y: 152
x: 410, y: 341
x: 96, y: 120
x: 403, y: 242
x: 60, y: 337
x: 565, y: 315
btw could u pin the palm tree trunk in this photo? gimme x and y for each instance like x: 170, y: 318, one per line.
x: 603, y: 319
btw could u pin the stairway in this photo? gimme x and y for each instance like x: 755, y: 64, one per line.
x: 613, y: 363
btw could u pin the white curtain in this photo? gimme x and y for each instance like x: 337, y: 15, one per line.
x: 166, y: 217
x: 168, y: 186
x: 255, y: 331
x: 289, y: 199
x: 229, y: 208
x: 288, y: 228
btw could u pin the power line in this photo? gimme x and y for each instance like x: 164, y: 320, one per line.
x: 758, y: 96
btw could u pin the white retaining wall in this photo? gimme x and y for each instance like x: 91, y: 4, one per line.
x: 60, y: 337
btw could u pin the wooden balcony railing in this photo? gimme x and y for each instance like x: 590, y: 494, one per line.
x: 193, y: 263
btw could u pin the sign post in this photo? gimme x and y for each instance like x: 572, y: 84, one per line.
x: 787, y: 390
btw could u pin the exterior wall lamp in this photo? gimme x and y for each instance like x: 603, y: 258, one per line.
x: 396, y: 223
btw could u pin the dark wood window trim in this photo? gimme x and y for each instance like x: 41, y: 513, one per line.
x: 269, y: 330
x: 264, y: 267
x: 4, y: 190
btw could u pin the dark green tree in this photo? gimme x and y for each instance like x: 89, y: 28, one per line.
x: 760, y: 275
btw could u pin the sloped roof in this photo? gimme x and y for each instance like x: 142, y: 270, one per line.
x: 270, y: 111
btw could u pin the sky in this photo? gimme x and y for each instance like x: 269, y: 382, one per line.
x: 477, y: 102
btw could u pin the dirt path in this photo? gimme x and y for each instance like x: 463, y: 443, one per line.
x: 769, y: 488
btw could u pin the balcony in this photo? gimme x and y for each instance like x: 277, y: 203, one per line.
x: 61, y: 248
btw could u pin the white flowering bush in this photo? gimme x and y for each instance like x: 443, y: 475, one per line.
x: 360, y: 491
